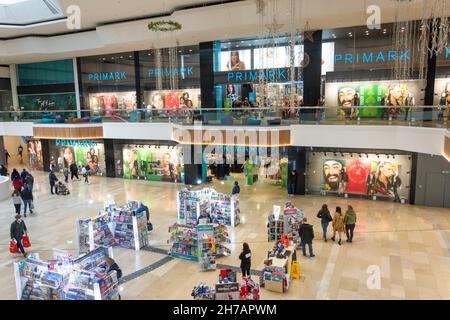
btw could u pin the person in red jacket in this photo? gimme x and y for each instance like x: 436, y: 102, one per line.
x: 17, y: 184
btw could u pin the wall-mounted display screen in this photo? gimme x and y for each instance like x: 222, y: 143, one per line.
x: 277, y: 57
x: 364, y: 175
x: 235, y: 60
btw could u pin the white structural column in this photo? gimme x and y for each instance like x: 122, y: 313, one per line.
x: 77, y: 88
x: 13, y: 78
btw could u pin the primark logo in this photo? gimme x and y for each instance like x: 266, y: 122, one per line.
x: 171, y: 72
x: 107, y: 76
x: 372, y: 57
x: 257, y: 75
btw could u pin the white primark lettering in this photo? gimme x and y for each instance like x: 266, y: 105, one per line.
x: 184, y: 310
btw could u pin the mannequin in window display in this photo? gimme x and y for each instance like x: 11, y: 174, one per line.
x: 134, y: 172
x: 395, y: 100
x: 355, y: 107
x: 231, y: 94
x: 60, y: 163
x: 409, y: 102
x: 445, y: 102
x: 143, y: 169
x: 119, y: 168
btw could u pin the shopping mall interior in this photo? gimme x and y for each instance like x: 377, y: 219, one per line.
x: 224, y: 150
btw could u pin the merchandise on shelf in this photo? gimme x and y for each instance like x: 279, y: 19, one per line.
x: 287, y: 224
x: 222, y: 208
x: 93, y: 233
x: 203, y: 292
x: 206, y: 247
x: 82, y: 279
x: 249, y: 290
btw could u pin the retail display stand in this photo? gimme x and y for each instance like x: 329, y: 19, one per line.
x: 223, y: 208
x: 114, y: 226
x: 206, y: 247
x: 227, y: 288
x: 286, y: 225
x: 276, y: 273
x: 93, y: 233
x: 66, y: 279
x: 185, y: 241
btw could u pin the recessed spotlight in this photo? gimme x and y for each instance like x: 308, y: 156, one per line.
x: 130, y: 56
x: 112, y: 58
x: 104, y: 59
x: 237, y: 46
x: 190, y: 50
x: 121, y: 57
x: 179, y: 51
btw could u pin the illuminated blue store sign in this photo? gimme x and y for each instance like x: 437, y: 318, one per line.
x: 271, y: 75
x: 171, y: 72
x: 107, y: 76
x: 372, y: 57
x: 75, y: 143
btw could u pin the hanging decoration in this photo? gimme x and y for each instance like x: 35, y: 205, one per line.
x: 434, y: 31
x: 164, y: 26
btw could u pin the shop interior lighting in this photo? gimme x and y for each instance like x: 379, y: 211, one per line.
x: 360, y: 155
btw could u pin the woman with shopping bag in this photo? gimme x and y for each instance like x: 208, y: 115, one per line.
x: 17, y: 232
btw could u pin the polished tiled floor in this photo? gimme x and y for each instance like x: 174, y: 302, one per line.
x: 410, y: 244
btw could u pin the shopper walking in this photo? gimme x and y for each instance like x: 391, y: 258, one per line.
x: 17, y: 231
x: 292, y: 182
x: 74, y: 171
x: 17, y: 200
x: 325, y: 218
x: 29, y: 181
x: 23, y: 175
x: 350, y: 222
x: 306, y: 233
x: 7, y: 156
x: 27, y: 197
x: 236, y: 189
x: 246, y: 260
x: 15, y: 174
x: 3, y: 171
x: 66, y: 175
x: 85, y: 172
x: 17, y: 184
x: 52, y: 180
x: 338, y: 225
x: 20, y: 152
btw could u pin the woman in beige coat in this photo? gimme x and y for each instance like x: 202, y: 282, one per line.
x: 338, y: 224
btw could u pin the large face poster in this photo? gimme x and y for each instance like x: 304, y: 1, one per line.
x: 35, y: 154
x: 81, y: 156
x: 363, y: 95
x: 161, y: 163
x: 366, y: 175
x: 169, y: 99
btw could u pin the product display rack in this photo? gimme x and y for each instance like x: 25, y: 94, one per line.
x: 63, y: 279
x: 93, y: 233
x: 223, y: 208
x: 287, y: 225
x: 206, y: 247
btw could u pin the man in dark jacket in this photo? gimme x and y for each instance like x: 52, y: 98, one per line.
x: 27, y: 197
x: 17, y: 231
x: 23, y: 175
x: 236, y: 189
x: 74, y: 171
x: 306, y: 233
x: 52, y: 179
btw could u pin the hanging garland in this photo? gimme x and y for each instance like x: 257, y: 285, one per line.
x: 164, y: 26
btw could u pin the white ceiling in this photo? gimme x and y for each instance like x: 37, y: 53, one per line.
x: 219, y: 22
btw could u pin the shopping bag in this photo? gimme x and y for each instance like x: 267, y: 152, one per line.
x: 149, y: 226
x: 26, y: 242
x: 13, y: 247
x: 31, y: 205
x: 285, y: 241
x: 295, y: 270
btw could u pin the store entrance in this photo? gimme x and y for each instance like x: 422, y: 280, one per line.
x: 249, y: 166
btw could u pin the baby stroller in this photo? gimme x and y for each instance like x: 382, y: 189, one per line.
x: 61, y: 189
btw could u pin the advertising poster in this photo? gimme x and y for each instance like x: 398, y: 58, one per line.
x: 173, y: 99
x: 155, y: 163
x: 35, y: 154
x: 235, y: 60
x: 370, y: 175
x: 93, y: 156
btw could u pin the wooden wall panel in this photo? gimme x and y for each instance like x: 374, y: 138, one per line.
x: 90, y: 132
